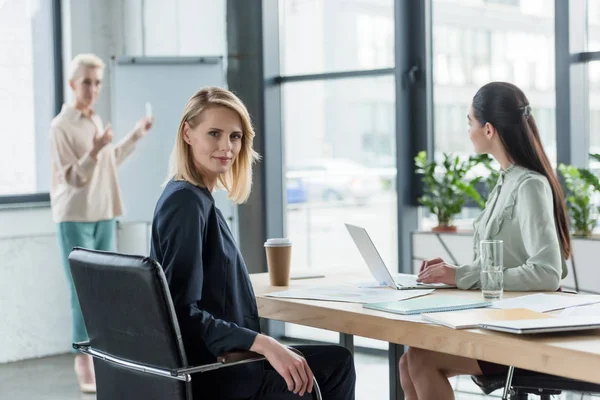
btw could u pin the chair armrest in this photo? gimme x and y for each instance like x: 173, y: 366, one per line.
x: 237, y: 356
x: 223, y: 361
x: 81, y: 345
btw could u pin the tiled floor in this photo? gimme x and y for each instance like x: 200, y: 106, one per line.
x: 52, y: 378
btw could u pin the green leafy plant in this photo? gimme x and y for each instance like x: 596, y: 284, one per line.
x: 445, y: 186
x: 581, y: 185
x: 493, y: 176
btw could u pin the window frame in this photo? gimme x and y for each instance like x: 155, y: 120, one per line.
x: 43, y: 198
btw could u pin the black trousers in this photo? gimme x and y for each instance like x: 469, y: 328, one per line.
x: 332, y: 366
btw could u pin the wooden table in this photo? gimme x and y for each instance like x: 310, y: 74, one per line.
x: 572, y: 355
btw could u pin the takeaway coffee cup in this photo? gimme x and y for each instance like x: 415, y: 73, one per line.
x: 279, y: 256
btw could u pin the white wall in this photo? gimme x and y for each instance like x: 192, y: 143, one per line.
x: 34, y: 304
x: 92, y: 27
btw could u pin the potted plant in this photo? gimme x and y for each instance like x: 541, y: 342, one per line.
x: 581, y: 185
x: 446, y: 188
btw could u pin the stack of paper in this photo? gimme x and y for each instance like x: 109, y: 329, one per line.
x: 542, y: 302
x: 349, y: 294
x: 592, y: 310
x: 472, y: 318
x: 428, y: 304
x: 548, y: 325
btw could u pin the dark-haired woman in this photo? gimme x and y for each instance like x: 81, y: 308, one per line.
x: 525, y: 210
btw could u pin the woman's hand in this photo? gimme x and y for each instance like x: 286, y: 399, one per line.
x: 426, y: 263
x: 101, y: 140
x: 292, y: 368
x: 143, y: 126
x: 438, y: 271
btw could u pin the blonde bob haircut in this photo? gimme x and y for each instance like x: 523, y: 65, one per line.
x: 81, y: 61
x: 238, y: 180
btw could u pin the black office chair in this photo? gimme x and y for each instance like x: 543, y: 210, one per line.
x: 133, y: 331
x: 519, y: 383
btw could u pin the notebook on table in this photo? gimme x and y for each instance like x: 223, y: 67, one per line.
x: 427, y: 304
x: 472, y: 318
x: 550, y: 325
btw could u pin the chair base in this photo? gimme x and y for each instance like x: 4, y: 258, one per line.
x: 528, y: 382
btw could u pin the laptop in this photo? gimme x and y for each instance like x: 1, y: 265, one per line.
x: 378, y: 268
x: 548, y: 325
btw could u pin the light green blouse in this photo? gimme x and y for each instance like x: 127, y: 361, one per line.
x: 519, y: 212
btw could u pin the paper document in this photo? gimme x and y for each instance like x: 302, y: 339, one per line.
x: 405, y: 280
x: 349, y: 294
x: 541, y: 302
x: 472, y: 318
x: 592, y: 310
x: 412, y: 318
x: 368, y: 284
x: 548, y: 325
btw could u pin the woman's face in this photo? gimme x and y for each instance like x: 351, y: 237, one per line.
x: 86, y: 86
x: 478, y: 133
x: 216, y: 141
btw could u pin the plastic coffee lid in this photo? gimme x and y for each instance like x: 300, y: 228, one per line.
x: 277, y: 242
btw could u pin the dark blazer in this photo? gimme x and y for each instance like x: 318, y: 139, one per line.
x: 209, y: 284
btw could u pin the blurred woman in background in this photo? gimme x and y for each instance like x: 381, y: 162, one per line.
x: 84, y: 192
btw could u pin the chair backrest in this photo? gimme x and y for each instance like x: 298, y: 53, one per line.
x: 129, y: 314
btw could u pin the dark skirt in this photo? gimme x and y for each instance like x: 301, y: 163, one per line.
x: 489, y: 369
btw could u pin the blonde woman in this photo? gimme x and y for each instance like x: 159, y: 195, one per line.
x: 84, y: 192
x: 207, y: 277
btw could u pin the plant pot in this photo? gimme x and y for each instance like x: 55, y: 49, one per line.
x: 581, y: 234
x: 444, y: 228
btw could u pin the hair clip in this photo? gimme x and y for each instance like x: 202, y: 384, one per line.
x: 526, y: 110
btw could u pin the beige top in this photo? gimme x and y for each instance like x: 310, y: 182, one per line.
x: 84, y: 189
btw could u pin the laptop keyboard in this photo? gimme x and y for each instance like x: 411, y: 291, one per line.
x: 406, y: 280
x: 411, y: 280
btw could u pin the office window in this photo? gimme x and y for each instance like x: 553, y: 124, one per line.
x: 593, y: 25
x: 504, y: 2
x: 26, y: 95
x: 340, y: 168
x: 335, y: 35
x: 468, y: 54
x: 340, y: 141
x: 594, y: 107
x: 339, y: 135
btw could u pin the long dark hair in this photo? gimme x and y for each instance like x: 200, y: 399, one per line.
x: 505, y: 107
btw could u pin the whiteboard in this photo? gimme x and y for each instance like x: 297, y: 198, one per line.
x: 167, y: 83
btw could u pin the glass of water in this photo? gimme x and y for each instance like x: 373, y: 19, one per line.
x: 492, y: 277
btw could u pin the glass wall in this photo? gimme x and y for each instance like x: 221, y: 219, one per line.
x: 26, y: 95
x: 340, y: 141
x: 593, y: 25
x: 593, y: 39
x: 339, y: 136
x: 478, y: 41
x: 335, y: 35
